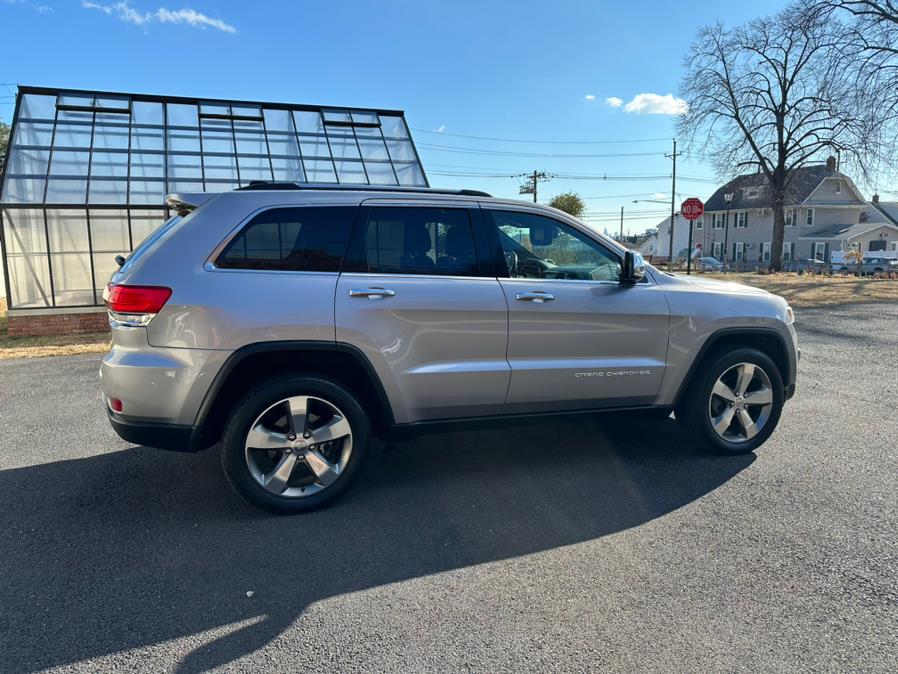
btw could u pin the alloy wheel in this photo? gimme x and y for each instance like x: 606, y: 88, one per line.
x: 741, y: 402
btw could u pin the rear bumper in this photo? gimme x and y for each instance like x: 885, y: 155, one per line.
x: 150, y: 434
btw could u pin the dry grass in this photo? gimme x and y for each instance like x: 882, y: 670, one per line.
x: 56, y: 345
x: 818, y: 291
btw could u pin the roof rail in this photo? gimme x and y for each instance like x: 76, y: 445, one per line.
x: 273, y: 185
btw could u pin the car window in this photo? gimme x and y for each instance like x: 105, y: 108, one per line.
x: 538, y: 247
x: 292, y: 239
x: 412, y: 240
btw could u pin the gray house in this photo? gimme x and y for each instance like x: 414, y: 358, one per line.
x: 825, y: 212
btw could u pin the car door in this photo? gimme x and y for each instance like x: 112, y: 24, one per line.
x: 419, y: 297
x: 577, y: 338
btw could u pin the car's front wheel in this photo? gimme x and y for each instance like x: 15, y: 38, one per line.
x: 295, y: 444
x: 734, y: 403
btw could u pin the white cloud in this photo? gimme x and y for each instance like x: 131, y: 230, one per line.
x: 656, y: 104
x: 440, y: 128
x: 660, y: 195
x: 614, y: 101
x: 590, y: 97
x: 125, y: 12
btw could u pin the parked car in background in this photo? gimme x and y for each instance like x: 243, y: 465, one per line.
x: 707, y: 264
x: 869, y: 266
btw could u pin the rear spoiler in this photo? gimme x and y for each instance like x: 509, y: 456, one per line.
x: 184, y: 203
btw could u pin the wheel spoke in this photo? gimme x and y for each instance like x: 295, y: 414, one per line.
x: 334, y: 429
x: 746, y: 374
x: 298, y: 407
x: 260, y: 437
x: 763, y: 396
x: 723, y: 420
x: 724, y: 391
x: 276, y: 480
x: 325, y: 471
x: 751, y: 430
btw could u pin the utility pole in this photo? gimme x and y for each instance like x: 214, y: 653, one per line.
x: 532, y: 180
x: 622, y: 224
x: 673, y: 202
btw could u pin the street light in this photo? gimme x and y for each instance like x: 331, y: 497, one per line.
x: 726, y: 231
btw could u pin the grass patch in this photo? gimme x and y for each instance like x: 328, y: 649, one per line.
x: 808, y: 291
x: 53, y: 345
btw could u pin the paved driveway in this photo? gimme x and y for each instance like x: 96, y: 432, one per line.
x: 595, y: 545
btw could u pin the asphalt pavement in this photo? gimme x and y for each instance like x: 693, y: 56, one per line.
x: 605, y: 544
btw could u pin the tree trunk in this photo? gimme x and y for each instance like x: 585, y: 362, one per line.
x: 779, y: 232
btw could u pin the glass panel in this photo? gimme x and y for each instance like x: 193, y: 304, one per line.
x: 111, y: 137
x: 246, y: 111
x: 278, y: 120
x: 250, y: 138
x: 108, y: 191
x: 24, y: 231
x: 220, y: 167
x: 104, y: 267
x: 254, y: 168
x: 184, y: 166
x: 29, y: 280
x: 78, y: 100
x: 67, y: 230
x: 288, y: 169
x: 144, y: 223
x: 143, y: 138
x: 368, y: 131
x: 147, y: 192
x: 343, y: 147
x: 336, y: 116
x: 143, y: 112
x: 218, y: 136
x: 361, y: 117
x: 112, y: 118
x: 64, y: 191
x: 75, y: 116
x: 182, y: 115
x: 226, y: 186
x: 351, y: 172
x: 319, y: 171
x: 28, y: 161
x: 109, y: 230
x: 410, y: 175
x: 314, y: 147
x: 380, y: 173
x: 72, y: 281
x: 35, y: 106
x: 147, y: 165
x: 69, y: 163
x: 401, y: 150
x: 113, y: 164
x: 284, y: 144
x: 33, y: 133
x: 72, y: 135
x: 113, y: 102
x: 23, y: 190
x: 393, y: 126
x: 373, y: 148
x: 184, y: 186
x: 308, y: 122
x: 215, y: 109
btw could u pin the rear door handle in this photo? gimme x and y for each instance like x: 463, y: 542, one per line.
x: 537, y: 296
x: 371, y: 293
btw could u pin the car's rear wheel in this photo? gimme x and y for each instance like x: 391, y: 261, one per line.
x: 734, y: 403
x: 295, y: 443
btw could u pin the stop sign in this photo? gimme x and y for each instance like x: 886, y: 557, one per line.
x: 692, y: 208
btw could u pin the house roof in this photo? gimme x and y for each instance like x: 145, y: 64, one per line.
x: 846, y: 231
x: 888, y: 209
x: 802, y: 184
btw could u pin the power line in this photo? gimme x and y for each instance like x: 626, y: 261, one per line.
x: 506, y: 153
x: 542, y: 141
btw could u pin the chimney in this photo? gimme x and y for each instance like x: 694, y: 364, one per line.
x: 875, y: 198
x: 831, y: 163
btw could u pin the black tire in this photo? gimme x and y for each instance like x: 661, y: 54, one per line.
x: 261, y: 398
x: 693, y: 414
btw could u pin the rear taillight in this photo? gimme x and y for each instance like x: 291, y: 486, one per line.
x: 134, y: 305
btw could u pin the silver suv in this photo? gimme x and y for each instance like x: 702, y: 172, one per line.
x: 293, y: 325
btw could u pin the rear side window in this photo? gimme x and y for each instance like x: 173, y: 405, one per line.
x: 426, y: 241
x: 292, y: 239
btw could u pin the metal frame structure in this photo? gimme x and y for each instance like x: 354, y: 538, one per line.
x: 98, y: 153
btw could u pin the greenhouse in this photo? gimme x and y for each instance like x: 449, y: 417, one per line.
x: 87, y: 173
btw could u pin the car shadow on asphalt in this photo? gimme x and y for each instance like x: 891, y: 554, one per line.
x: 132, y: 548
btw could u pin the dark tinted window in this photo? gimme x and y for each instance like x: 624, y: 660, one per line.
x: 409, y: 240
x: 292, y: 239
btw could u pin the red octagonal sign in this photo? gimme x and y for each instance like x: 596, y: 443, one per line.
x: 692, y: 208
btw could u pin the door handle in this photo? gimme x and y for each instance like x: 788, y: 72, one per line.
x: 537, y: 296
x: 372, y: 293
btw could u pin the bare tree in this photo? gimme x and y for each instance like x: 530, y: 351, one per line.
x: 778, y: 93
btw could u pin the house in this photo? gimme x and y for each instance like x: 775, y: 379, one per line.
x: 825, y: 212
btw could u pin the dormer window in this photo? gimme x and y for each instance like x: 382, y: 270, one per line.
x: 752, y: 193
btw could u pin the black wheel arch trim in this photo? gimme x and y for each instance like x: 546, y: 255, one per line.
x: 287, y: 345
x: 716, y: 336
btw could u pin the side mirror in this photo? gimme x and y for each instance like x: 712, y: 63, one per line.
x: 634, y: 268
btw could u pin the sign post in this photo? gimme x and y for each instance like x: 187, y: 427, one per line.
x: 692, y: 209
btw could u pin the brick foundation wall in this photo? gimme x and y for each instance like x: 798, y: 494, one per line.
x: 24, y: 325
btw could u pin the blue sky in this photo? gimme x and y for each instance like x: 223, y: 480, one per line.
x: 512, y: 70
